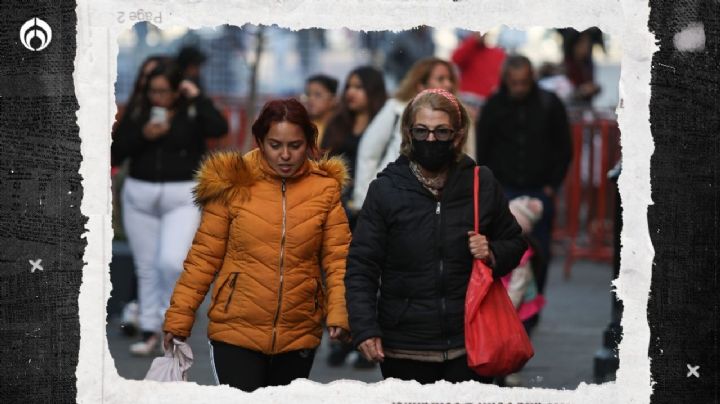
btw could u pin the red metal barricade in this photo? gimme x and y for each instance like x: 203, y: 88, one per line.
x: 584, y: 223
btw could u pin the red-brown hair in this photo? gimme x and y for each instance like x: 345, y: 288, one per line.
x: 288, y: 110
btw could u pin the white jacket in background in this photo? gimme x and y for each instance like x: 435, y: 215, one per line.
x: 380, y: 146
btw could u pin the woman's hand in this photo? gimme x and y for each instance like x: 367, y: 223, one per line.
x: 480, y: 248
x: 372, y: 349
x: 155, y: 130
x: 167, y: 340
x: 339, y: 334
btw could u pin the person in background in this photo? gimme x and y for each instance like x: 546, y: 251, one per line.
x: 190, y: 60
x: 363, y: 96
x: 479, y: 65
x: 578, y: 63
x: 520, y: 282
x: 129, y: 320
x: 551, y: 77
x: 523, y: 136
x: 268, y: 302
x: 414, y: 244
x: 146, y: 67
x: 380, y: 145
x: 320, y: 100
x: 164, y: 143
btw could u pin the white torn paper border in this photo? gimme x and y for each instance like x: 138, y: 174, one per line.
x: 95, y: 71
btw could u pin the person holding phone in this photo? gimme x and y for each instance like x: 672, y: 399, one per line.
x: 130, y: 312
x: 321, y: 100
x: 164, y: 139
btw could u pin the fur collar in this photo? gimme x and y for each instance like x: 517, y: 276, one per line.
x: 227, y: 175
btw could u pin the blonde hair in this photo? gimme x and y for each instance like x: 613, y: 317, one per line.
x: 435, y: 101
x: 419, y: 74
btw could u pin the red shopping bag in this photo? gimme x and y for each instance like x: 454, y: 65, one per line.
x: 495, y: 339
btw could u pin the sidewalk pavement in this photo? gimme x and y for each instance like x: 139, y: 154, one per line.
x: 565, y: 341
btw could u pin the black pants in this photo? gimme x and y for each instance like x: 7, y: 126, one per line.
x: 249, y: 370
x: 530, y: 323
x: 454, y: 371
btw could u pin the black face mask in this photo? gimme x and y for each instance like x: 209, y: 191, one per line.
x: 433, y: 156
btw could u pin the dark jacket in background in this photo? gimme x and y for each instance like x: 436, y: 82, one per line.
x: 525, y: 143
x: 347, y: 148
x: 175, y: 156
x: 414, y: 249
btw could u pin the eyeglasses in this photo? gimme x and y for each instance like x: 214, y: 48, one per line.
x: 422, y: 133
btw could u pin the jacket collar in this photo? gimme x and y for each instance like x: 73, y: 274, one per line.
x: 504, y: 92
x: 399, y: 172
x: 227, y: 175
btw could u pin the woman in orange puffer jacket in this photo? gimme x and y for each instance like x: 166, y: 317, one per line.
x: 271, y: 220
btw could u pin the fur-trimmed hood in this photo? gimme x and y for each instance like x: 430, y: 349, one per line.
x: 227, y: 175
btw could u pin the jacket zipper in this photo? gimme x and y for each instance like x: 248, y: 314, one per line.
x: 281, y: 265
x: 443, y: 307
x: 232, y: 291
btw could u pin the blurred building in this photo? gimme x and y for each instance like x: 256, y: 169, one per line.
x: 290, y: 56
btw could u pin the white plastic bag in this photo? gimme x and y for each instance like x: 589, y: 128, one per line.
x: 173, y: 366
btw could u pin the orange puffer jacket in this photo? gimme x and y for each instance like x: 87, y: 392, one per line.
x: 262, y: 241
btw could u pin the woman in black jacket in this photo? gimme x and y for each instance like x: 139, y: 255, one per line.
x: 163, y: 135
x: 415, y: 245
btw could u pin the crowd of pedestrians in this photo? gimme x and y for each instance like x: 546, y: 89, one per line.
x: 268, y: 233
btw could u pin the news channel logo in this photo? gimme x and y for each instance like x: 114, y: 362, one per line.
x: 35, y: 34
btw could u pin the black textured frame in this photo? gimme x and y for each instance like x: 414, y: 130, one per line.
x: 40, y: 218
x: 683, y: 222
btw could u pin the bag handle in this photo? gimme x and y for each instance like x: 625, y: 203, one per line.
x: 476, y: 198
